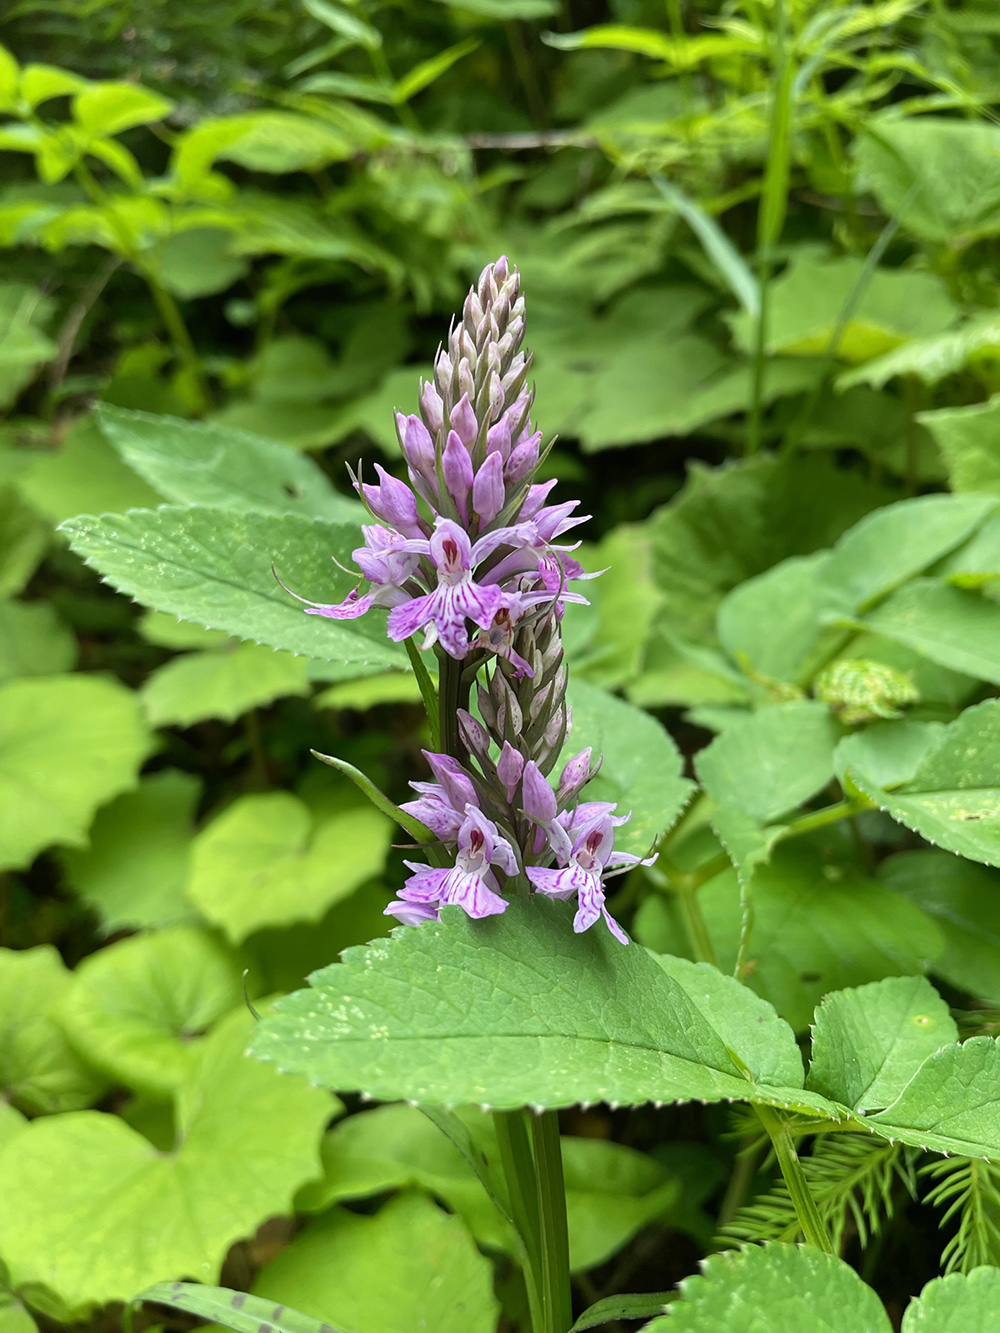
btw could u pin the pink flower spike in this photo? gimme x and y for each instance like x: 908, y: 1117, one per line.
x: 498, y: 438
x: 470, y: 883
x: 536, y: 497
x: 538, y: 798
x: 417, y: 444
x: 431, y: 406
x: 350, y: 608
x: 510, y: 766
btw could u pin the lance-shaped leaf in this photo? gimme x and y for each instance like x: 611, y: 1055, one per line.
x: 953, y: 798
x: 959, y: 1303
x: 237, y: 1310
x: 93, y: 1212
x: 869, y: 1042
x: 194, y: 462
x: 213, y: 566
x: 778, y: 1287
x: 517, y: 1009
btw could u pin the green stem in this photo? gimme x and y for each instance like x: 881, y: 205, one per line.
x: 167, y: 307
x: 684, y: 885
x: 449, y: 696
x: 811, y: 1224
x: 832, y: 814
x: 526, y: 74
x: 519, y: 1173
x: 557, y: 1302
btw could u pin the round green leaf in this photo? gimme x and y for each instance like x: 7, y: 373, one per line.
x: 34, y: 641
x: 135, y: 869
x: 39, y: 1071
x: 222, y: 682
x: 265, y: 862
x: 94, y: 1213
x: 136, y: 1006
x: 409, y: 1267
x: 67, y: 745
x: 783, y: 1288
x: 959, y: 1303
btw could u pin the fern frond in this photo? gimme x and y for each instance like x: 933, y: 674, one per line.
x: 969, y: 1189
x: 852, y: 1178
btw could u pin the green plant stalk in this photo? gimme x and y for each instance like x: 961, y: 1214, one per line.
x: 167, y: 308
x: 557, y: 1299
x: 813, y: 1227
x: 771, y: 213
x: 519, y: 1173
x: 449, y: 702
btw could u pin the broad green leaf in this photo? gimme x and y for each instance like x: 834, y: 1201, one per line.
x: 819, y: 924
x: 166, y: 631
x: 110, y: 108
x: 84, y: 476
x: 642, y: 766
x: 389, y: 687
x: 940, y: 176
x: 14, y: 1317
x: 197, y: 262
x: 581, y: 1019
x: 951, y: 1104
x: 677, y: 52
x: 953, y: 626
x: 24, y: 538
x: 39, y: 1071
x: 963, y: 898
x: 222, y: 682
x: 867, y: 1043
x: 67, y: 745
x: 732, y: 522
x: 33, y: 641
x: 931, y: 359
x: 953, y: 799
x: 268, y: 141
x: 195, y: 463
x: 247, y: 1139
x: 806, y: 302
x: 341, y: 21
x: 887, y: 754
x: 408, y: 1267
x: 611, y: 1190
x: 213, y: 566
x: 771, y: 761
x: 232, y: 1309
x: 967, y: 438
x: 265, y: 862
x: 893, y: 544
x: 11, y: 1122
x: 771, y: 623
x: 10, y: 77
x: 135, y: 867
x: 137, y: 1006
x: 785, y: 1288
x: 651, y: 392
x: 959, y: 1303
x: 625, y: 601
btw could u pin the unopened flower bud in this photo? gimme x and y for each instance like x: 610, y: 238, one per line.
x: 523, y: 460
x: 498, y: 438
x: 474, y: 734
x: 488, y: 490
x: 463, y: 421
x: 575, y: 775
x: 457, y: 784
x: 393, y: 502
x: 457, y: 468
x: 510, y: 766
x: 538, y: 798
x: 487, y: 707
x: 431, y: 406
x: 416, y: 443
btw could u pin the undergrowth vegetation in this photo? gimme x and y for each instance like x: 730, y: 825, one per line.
x: 759, y: 245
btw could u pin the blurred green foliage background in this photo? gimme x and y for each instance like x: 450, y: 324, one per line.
x: 260, y: 215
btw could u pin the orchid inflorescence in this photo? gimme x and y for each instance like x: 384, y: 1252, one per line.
x: 468, y: 553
